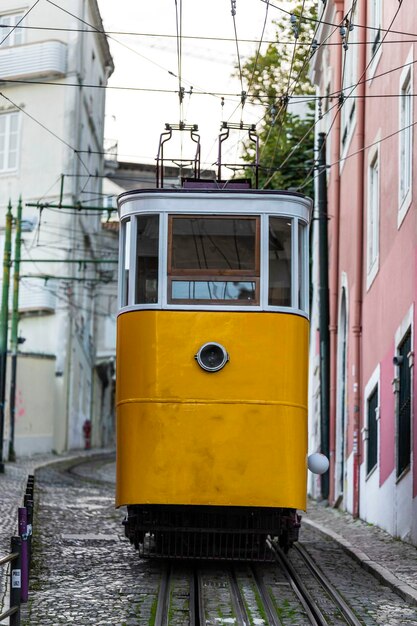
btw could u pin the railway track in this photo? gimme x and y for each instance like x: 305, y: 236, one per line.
x: 291, y: 590
x: 203, y: 594
x: 311, y: 606
x: 211, y: 595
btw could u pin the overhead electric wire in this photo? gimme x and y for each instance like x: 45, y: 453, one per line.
x: 267, y: 2
x: 103, y: 32
x: 178, y: 24
x: 319, y: 22
x: 371, y: 145
x: 299, y: 73
x: 338, y: 104
x: 374, y: 28
x: 204, y: 37
x: 345, y: 41
x: 282, y: 113
x: 51, y: 132
x: 233, y: 11
x: 300, y: 98
x: 259, y: 47
x: 375, y: 52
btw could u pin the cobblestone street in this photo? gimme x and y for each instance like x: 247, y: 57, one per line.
x: 85, y: 572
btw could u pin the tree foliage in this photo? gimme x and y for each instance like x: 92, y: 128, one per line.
x: 273, y: 78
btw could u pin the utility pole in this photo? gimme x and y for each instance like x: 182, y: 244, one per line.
x: 324, y: 312
x: 4, y: 319
x: 14, y: 341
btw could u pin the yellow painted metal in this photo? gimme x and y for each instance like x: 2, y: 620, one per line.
x: 234, y: 437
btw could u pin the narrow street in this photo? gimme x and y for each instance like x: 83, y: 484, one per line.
x: 85, y: 572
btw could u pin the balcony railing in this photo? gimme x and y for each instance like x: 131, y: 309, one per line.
x: 33, y: 60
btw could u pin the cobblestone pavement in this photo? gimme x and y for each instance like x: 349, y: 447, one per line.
x: 108, y: 585
x: 371, y: 600
x: 12, y: 489
x: 85, y: 572
x: 392, y: 561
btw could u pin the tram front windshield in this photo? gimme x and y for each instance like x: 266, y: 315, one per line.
x: 214, y: 259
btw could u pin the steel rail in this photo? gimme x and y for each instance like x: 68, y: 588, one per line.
x: 314, y: 614
x: 162, y: 611
x: 348, y: 615
x: 273, y: 619
x: 197, y: 607
x: 242, y: 617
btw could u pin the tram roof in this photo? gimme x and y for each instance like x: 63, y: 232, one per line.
x: 213, y: 190
x: 236, y: 201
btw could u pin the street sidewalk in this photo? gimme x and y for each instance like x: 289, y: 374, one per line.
x: 13, y: 485
x: 393, y: 562
x: 12, y: 489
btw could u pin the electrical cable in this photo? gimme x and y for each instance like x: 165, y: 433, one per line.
x: 343, y: 97
x: 361, y: 26
x: 387, y: 31
x: 259, y: 48
x: 51, y: 132
x: 300, y: 97
x: 319, y: 22
x: 103, y: 32
x: 203, y: 37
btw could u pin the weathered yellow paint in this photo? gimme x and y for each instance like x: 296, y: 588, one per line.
x: 234, y: 437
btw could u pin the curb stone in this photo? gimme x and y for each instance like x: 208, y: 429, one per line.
x: 406, y: 592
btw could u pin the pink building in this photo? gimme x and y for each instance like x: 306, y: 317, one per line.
x: 366, y: 82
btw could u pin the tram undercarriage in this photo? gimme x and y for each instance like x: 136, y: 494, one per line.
x: 209, y: 532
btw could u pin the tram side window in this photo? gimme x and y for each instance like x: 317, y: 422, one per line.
x: 213, y: 260
x: 125, y: 263
x: 279, y: 288
x: 147, y: 251
x: 302, y: 248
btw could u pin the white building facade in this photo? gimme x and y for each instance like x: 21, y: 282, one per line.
x: 51, y: 155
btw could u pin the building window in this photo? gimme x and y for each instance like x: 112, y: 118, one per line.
x: 12, y: 36
x: 372, y: 431
x: 405, y: 137
x: 375, y: 25
x: 404, y: 405
x: 373, y: 217
x: 9, y: 134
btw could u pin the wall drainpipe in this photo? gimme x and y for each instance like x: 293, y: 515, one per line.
x: 359, y: 254
x: 334, y: 227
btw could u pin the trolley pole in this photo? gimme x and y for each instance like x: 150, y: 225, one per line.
x: 324, y: 312
x: 4, y: 318
x: 14, y: 341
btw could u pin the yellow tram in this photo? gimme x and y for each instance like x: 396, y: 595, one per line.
x: 212, y: 347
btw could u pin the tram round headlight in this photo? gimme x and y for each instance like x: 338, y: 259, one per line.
x: 212, y: 357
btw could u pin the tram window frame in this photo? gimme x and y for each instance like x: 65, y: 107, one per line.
x: 141, y: 277
x: 292, y: 260
x: 125, y: 261
x: 214, y: 275
x: 302, y: 266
